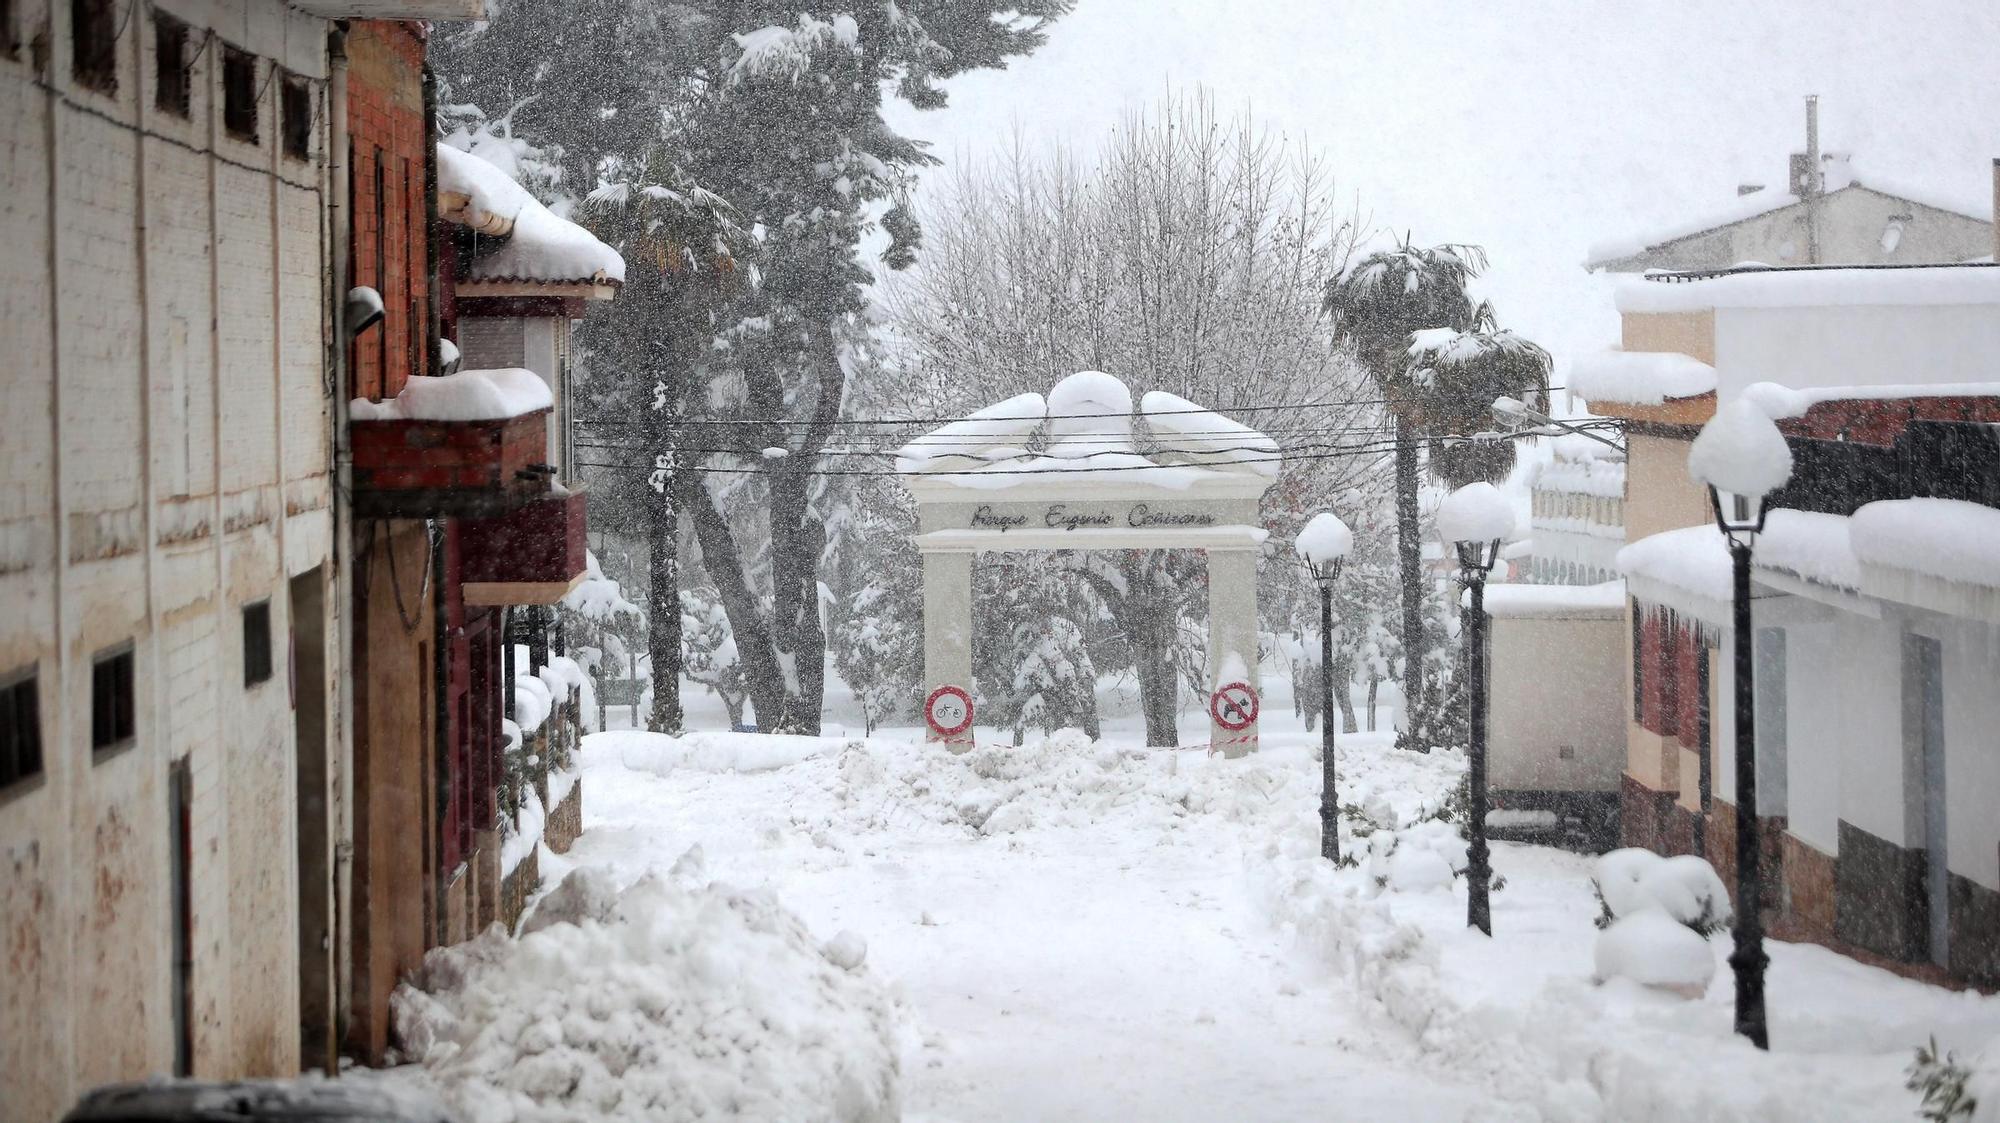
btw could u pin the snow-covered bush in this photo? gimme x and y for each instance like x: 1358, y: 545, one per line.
x: 673, y: 1000
x: 1652, y: 948
x: 1685, y: 887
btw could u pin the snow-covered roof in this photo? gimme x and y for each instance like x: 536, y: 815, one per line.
x: 1086, y: 427
x: 539, y: 247
x: 1843, y: 176
x: 469, y: 395
x: 1947, y: 539
x: 1639, y: 377
x: 1809, y: 545
x: 1812, y: 286
x: 1686, y: 569
x: 1556, y: 602
x: 1781, y: 402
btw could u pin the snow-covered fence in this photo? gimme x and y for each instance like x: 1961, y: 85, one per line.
x: 540, y: 798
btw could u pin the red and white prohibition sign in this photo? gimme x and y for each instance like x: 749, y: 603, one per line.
x: 1234, y: 706
x: 948, y: 711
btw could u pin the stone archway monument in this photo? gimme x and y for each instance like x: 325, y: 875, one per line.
x: 1083, y: 469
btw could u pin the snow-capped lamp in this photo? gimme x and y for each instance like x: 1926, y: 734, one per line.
x: 1323, y: 545
x: 1475, y: 520
x: 1742, y: 458
x: 364, y: 309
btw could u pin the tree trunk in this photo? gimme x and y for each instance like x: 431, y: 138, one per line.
x: 663, y: 607
x: 1343, y: 678
x: 797, y: 541
x: 1374, y: 681
x: 1410, y: 557
x: 754, y: 651
x: 1153, y: 652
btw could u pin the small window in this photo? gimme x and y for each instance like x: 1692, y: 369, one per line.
x: 93, y: 49
x: 256, y: 643
x: 171, y: 82
x: 239, y: 94
x: 298, y: 117
x: 20, y: 727
x: 111, y: 700
x: 10, y: 45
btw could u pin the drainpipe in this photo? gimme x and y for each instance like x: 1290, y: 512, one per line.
x: 346, y: 601
x: 1814, y: 180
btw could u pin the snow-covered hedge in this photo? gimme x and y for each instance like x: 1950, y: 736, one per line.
x: 675, y: 999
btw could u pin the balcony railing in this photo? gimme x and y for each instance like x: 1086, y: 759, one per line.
x: 531, y: 555
x: 439, y: 469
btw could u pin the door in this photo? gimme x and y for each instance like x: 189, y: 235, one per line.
x: 180, y: 851
x: 317, y: 1033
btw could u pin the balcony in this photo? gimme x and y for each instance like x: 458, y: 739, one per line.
x: 532, y: 555
x: 467, y: 445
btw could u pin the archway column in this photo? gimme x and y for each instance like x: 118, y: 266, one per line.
x: 1232, y: 638
x: 947, y: 620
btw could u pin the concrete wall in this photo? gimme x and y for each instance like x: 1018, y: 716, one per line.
x: 1855, y: 345
x: 1555, y: 685
x: 162, y: 310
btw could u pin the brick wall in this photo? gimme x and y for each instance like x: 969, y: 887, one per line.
x: 386, y: 129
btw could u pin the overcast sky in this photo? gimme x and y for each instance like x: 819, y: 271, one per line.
x: 1532, y: 128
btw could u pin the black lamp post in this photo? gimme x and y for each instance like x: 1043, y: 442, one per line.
x: 1741, y: 517
x: 1475, y: 560
x: 1323, y: 546
x: 1742, y: 457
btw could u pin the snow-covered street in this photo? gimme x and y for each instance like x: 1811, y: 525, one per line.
x: 1063, y: 969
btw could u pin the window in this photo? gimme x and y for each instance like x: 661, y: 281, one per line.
x: 93, y: 50
x: 1638, y: 663
x: 9, y: 45
x: 239, y: 94
x: 111, y: 698
x: 171, y: 83
x: 20, y: 728
x: 297, y: 108
x: 256, y: 643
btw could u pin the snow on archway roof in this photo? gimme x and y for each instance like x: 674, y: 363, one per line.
x: 1088, y: 426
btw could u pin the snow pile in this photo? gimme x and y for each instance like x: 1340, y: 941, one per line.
x: 1188, y: 432
x: 1740, y: 450
x: 1090, y: 419
x: 469, y: 395
x: 1000, y: 431
x: 1420, y: 858
x: 599, y: 597
x: 1476, y: 513
x: 537, y: 245
x: 524, y: 832
x: 1645, y: 378
x: 1944, y: 538
x: 675, y: 999
x: 1325, y: 540
x: 532, y: 702
x: 661, y: 755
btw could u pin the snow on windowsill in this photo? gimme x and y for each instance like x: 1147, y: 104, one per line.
x: 469, y: 395
x: 1639, y: 377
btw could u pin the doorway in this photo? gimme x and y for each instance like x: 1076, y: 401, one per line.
x: 317, y: 1033
x: 180, y: 851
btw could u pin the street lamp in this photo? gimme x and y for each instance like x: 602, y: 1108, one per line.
x: 1742, y: 458
x: 1475, y: 519
x: 1324, y: 545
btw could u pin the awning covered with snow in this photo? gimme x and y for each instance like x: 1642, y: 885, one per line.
x: 1640, y: 377
x: 1940, y: 554
x: 531, y: 244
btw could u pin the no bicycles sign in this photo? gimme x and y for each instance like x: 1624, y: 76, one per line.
x: 1234, y: 706
x: 948, y: 711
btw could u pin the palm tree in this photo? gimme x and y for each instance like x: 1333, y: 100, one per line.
x: 1378, y: 305
x: 1455, y: 377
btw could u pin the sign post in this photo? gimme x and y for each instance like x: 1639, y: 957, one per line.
x: 1234, y: 707
x: 948, y: 713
